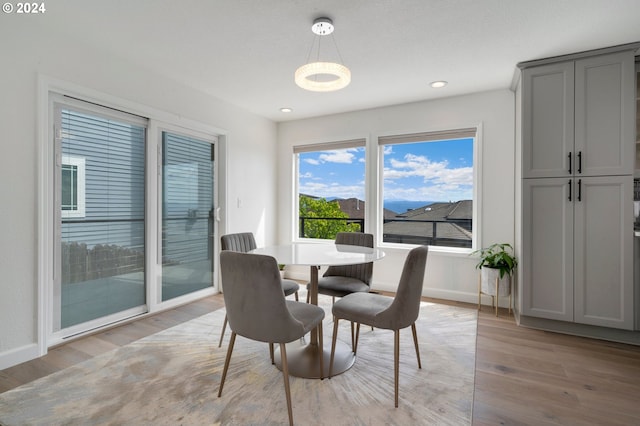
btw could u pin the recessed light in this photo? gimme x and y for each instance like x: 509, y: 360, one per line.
x: 438, y: 84
x: 286, y: 109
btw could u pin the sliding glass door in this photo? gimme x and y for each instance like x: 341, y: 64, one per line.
x: 100, y: 216
x: 188, y: 217
x: 133, y: 219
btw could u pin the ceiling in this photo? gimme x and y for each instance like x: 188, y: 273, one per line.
x: 246, y: 51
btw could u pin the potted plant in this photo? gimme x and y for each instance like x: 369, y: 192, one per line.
x: 496, y: 265
x: 281, y: 268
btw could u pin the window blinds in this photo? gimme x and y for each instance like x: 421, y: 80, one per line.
x: 429, y: 136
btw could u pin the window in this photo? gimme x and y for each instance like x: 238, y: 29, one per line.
x: 72, y: 186
x: 331, y: 188
x: 427, y: 188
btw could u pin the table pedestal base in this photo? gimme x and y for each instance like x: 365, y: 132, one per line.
x: 303, y: 359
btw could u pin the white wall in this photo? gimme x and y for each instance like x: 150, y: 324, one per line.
x: 450, y: 276
x: 29, y: 51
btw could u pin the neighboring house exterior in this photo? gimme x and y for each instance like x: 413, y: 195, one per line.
x: 103, y: 198
x: 447, y: 224
x: 355, y: 208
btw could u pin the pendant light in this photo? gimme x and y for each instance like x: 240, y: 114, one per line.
x: 322, y: 76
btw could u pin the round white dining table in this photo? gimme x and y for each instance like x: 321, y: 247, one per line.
x: 303, y: 359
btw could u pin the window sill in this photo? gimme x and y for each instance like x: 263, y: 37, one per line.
x: 433, y: 250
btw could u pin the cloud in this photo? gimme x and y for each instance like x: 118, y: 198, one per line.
x: 341, y: 156
x: 344, y: 156
x: 438, y: 180
x: 332, y: 190
x: 434, y: 171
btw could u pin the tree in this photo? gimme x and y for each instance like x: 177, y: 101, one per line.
x: 324, y: 228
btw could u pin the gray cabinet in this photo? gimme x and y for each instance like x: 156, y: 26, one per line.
x: 578, y: 155
x: 578, y: 117
x: 546, y: 262
x: 603, y: 252
x: 604, y: 115
x: 547, y: 120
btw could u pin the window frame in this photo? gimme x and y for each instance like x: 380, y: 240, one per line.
x: 453, y: 132
x: 358, y: 142
x: 58, y: 101
x: 214, y: 141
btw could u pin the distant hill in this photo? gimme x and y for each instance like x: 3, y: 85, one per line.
x: 403, y: 205
x: 352, y: 206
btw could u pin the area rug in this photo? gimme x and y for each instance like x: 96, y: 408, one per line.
x: 172, y: 378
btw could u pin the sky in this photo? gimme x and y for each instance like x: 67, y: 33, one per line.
x: 421, y: 171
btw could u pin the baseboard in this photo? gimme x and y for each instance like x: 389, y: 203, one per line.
x: 436, y: 293
x: 18, y: 355
x: 582, y: 330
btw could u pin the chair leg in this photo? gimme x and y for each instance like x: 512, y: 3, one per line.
x: 285, y: 375
x: 415, y: 342
x: 396, y: 361
x: 271, y: 353
x: 224, y: 327
x: 296, y: 296
x: 307, y: 297
x: 353, y: 337
x: 355, y: 346
x: 333, y: 345
x: 321, y: 344
x: 226, y: 362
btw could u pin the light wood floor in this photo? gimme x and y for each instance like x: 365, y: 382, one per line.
x: 523, y: 376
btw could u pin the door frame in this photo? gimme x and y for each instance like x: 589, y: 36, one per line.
x: 49, y: 86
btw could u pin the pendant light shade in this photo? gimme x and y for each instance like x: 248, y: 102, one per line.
x: 322, y: 76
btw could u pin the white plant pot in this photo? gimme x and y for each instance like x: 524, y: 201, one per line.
x: 488, y: 282
x: 282, y: 273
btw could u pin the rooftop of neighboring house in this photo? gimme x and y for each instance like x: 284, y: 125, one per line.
x: 458, y: 210
x: 418, y: 229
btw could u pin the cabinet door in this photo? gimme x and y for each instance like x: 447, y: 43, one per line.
x: 603, y: 252
x: 547, y: 120
x: 604, y: 115
x: 547, y: 250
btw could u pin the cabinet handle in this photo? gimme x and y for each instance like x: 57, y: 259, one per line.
x: 569, y: 156
x: 579, y: 161
x: 579, y: 189
x: 570, y: 190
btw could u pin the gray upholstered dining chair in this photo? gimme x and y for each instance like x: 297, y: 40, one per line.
x: 338, y: 281
x: 390, y: 313
x: 257, y: 309
x: 245, y: 242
